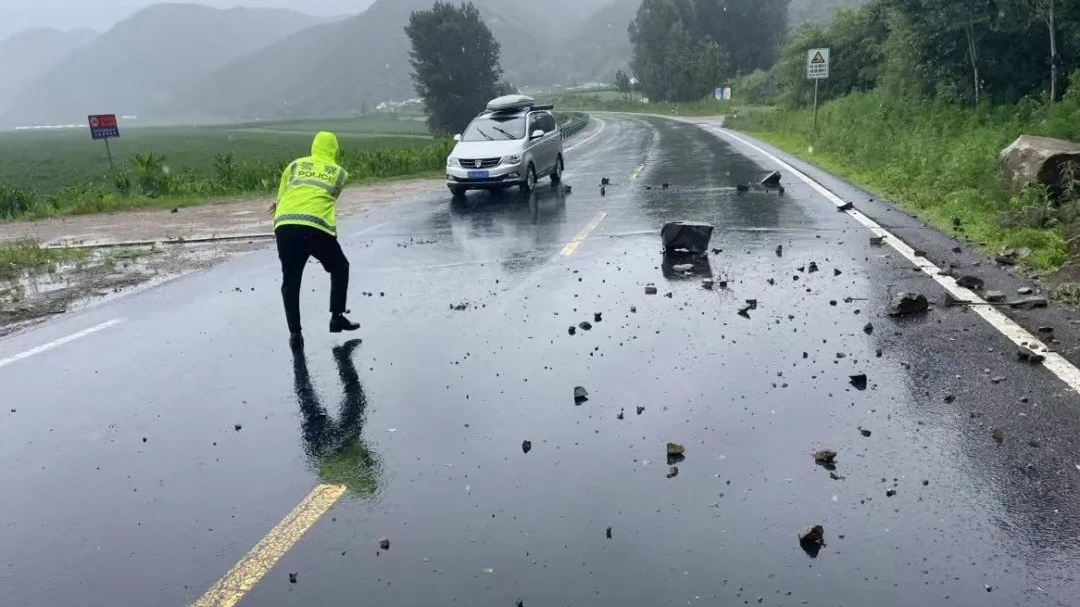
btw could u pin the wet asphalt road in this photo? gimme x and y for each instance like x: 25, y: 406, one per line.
x: 126, y: 482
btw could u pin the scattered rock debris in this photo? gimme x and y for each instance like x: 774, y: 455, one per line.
x: 675, y: 449
x: 460, y: 307
x: 1029, y: 303
x: 994, y: 296
x: 847, y: 206
x: 868, y: 328
x: 526, y: 446
x: 650, y: 289
x: 384, y: 544
x: 890, y: 492
x: 812, y: 539
x: 971, y: 282
x: 673, y: 471
x: 707, y: 283
x: 609, y: 533
x: 877, y: 241
x: 580, y: 395
x: 572, y: 330
x: 1030, y: 356
x: 859, y: 381
x: 683, y: 268
x: 640, y: 410
x: 908, y: 303
x: 293, y: 574
x: 825, y: 458
x: 1025, y: 291
x: 865, y: 432
x: 585, y: 325
x: 237, y: 427
x: 836, y: 272
x: 812, y: 267
x: 597, y: 317
x: 997, y: 435
x: 779, y: 250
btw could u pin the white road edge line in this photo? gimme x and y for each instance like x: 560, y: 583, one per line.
x: 368, y: 229
x: 1055, y: 362
x: 596, y: 134
x: 59, y: 342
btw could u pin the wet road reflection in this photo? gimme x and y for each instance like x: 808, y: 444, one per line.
x: 336, y: 448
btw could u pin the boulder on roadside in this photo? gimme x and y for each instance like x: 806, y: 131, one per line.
x: 1038, y: 159
x: 973, y: 283
x: 691, y: 236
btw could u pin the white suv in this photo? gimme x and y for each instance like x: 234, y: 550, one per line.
x: 513, y: 142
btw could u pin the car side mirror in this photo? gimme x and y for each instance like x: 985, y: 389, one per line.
x: 457, y: 137
x: 538, y: 133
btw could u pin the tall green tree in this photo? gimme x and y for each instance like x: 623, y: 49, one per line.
x: 455, y: 62
x: 622, y: 83
x: 674, y: 58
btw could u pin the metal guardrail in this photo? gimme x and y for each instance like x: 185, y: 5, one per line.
x: 575, y: 125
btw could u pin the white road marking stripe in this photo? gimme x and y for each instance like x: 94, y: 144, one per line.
x: 1055, y: 362
x: 589, y: 138
x: 59, y: 342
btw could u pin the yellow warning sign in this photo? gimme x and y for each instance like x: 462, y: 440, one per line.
x: 818, y: 58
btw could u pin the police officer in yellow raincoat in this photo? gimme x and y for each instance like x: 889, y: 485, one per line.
x: 305, y: 225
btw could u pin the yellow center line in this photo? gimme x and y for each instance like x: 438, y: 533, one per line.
x: 228, y: 591
x: 569, y: 249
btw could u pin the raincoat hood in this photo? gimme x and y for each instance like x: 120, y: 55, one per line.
x: 325, y: 146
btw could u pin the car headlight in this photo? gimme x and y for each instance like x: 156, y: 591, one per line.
x: 451, y: 162
x: 515, y: 159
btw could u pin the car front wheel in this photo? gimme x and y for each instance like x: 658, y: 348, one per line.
x: 457, y: 191
x: 530, y: 180
x: 556, y: 173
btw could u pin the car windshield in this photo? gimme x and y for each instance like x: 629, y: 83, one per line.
x: 496, y: 128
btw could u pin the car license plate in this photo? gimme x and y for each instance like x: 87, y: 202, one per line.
x: 478, y: 174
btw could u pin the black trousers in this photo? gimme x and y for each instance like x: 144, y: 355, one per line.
x: 295, y: 245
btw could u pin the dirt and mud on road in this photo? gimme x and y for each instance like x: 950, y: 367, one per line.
x: 136, y: 249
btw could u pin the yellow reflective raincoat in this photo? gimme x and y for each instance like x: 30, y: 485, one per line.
x: 310, y: 187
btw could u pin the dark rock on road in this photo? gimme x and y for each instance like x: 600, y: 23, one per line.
x: 908, y: 303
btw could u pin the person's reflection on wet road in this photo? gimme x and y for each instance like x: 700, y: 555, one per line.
x: 336, y: 448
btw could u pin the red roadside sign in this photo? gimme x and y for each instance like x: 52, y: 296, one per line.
x: 104, y: 126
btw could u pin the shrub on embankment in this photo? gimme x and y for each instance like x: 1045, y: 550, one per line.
x: 940, y: 160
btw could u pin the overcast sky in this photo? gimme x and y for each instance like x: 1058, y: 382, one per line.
x: 17, y: 15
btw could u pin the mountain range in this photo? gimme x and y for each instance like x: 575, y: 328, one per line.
x: 191, y: 63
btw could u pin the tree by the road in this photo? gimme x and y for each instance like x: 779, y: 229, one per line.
x: 455, y: 62
x: 622, y: 83
x: 682, y: 49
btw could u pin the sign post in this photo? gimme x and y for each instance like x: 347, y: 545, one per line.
x: 817, y: 69
x: 104, y: 126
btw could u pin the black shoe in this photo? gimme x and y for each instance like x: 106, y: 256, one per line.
x: 296, y: 340
x: 339, y: 323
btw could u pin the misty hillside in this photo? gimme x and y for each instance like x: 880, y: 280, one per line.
x: 600, y: 46
x: 136, y: 65
x: 29, y: 54
x: 818, y: 12
x: 364, y: 60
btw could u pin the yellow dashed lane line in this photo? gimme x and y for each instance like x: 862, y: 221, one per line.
x: 228, y: 591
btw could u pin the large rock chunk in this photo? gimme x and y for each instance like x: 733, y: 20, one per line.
x: 1041, y: 159
x: 690, y: 236
x: 908, y: 303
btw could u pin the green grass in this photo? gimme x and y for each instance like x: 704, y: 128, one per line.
x: 46, y: 173
x: 939, y: 161
x: 21, y: 257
